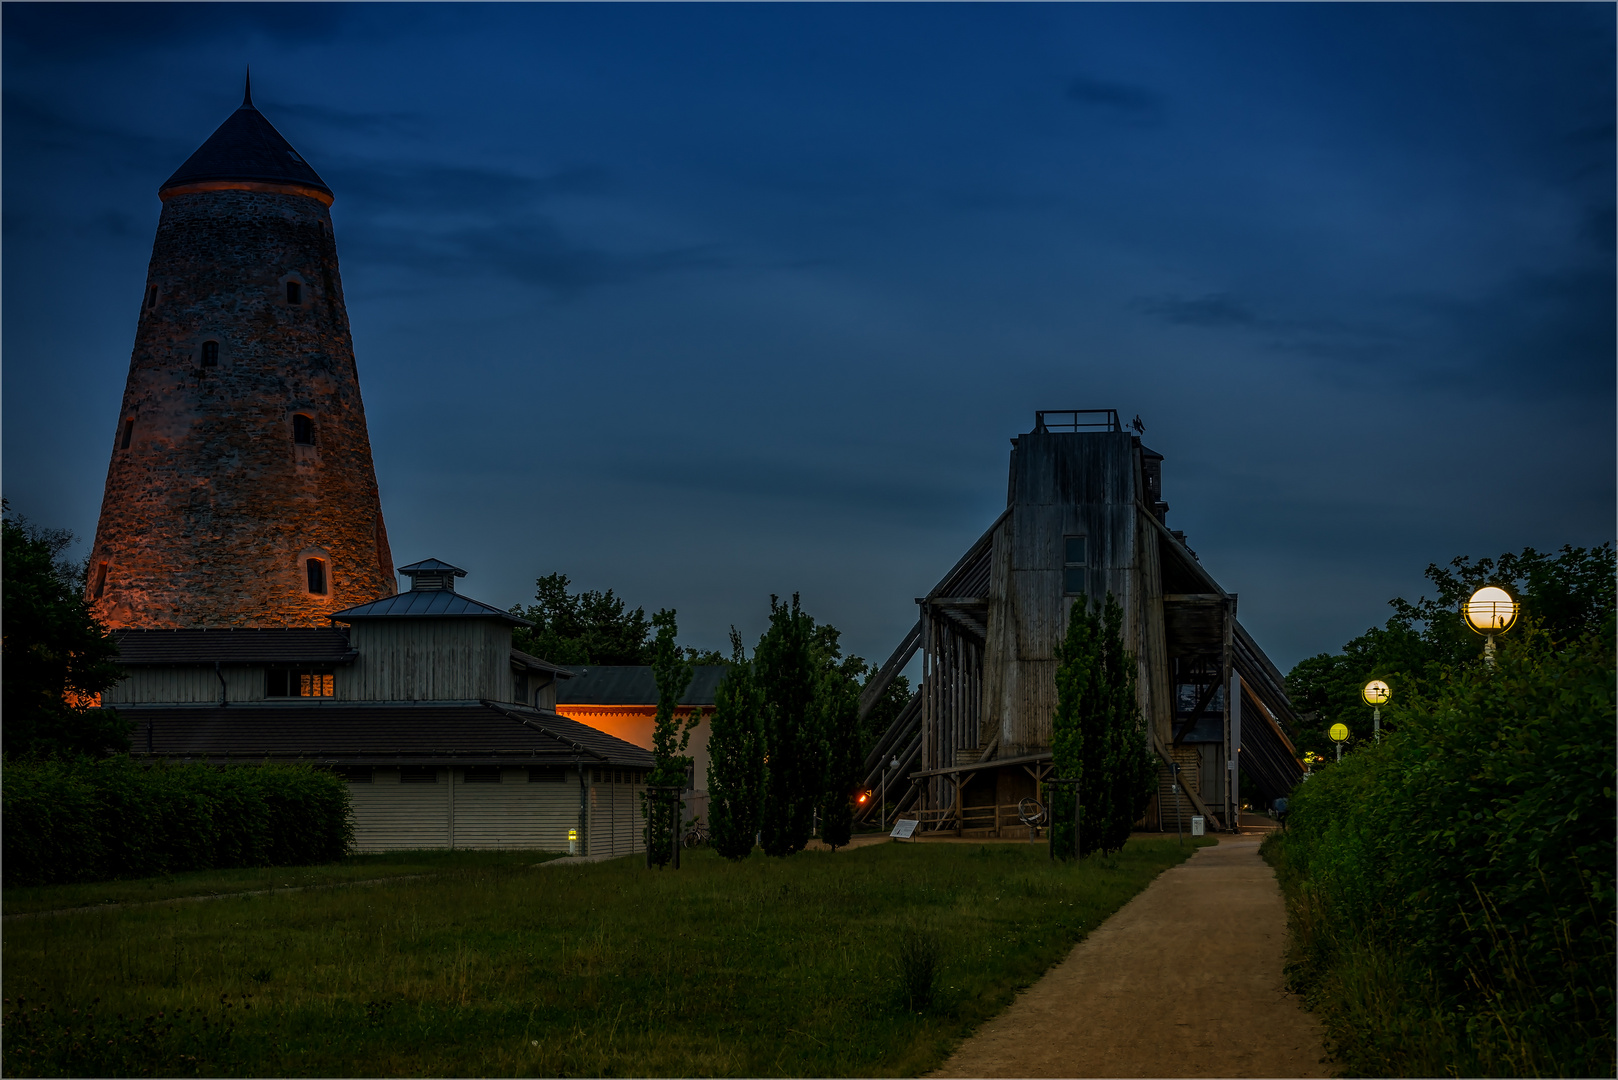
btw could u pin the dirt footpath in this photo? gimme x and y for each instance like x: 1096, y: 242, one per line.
x: 1185, y: 980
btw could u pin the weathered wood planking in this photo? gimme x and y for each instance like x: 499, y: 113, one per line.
x: 428, y: 660
x: 512, y: 815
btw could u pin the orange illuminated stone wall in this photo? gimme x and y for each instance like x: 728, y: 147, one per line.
x: 211, y: 510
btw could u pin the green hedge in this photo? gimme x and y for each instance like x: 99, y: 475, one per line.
x: 1452, y: 887
x: 90, y: 820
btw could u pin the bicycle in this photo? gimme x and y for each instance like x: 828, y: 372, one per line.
x: 696, y: 835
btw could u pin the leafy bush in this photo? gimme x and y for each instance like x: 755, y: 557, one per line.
x: 83, y: 820
x: 1452, y: 887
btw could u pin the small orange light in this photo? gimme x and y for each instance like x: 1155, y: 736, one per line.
x: 864, y: 795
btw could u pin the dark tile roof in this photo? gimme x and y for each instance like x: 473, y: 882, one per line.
x: 490, y: 731
x: 246, y: 147
x: 269, y: 647
x: 427, y: 603
x: 534, y: 663
x: 625, y: 685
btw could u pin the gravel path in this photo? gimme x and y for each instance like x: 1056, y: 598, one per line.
x: 1185, y: 980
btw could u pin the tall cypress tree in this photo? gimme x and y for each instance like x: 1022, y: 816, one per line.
x: 669, y: 736
x: 1073, y: 735
x: 735, y: 757
x: 793, y: 770
x: 1128, y: 770
x: 838, y: 707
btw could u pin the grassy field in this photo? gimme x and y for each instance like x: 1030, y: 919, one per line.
x: 29, y: 900
x: 491, y: 967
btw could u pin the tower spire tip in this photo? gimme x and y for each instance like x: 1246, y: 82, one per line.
x: 247, y: 94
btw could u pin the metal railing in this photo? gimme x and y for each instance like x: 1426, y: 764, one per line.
x: 1077, y: 420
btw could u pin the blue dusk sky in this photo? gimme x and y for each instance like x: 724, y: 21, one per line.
x: 701, y: 303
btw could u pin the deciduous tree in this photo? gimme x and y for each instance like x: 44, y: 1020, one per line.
x: 670, y: 735
x: 736, y: 757
x: 793, y: 768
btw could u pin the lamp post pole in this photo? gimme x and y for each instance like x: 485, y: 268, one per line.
x: 1376, y: 694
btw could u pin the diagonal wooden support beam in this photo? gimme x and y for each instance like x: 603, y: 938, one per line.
x: 1196, y: 713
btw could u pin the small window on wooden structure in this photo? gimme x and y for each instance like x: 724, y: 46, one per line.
x: 418, y: 774
x: 303, y: 430
x: 316, y: 684
x: 519, y: 688
x: 481, y: 774
x: 294, y: 293
x: 354, y: 774
x: 1075, y: 561
x: 101, y: 580
x: 546, y: 774
x: 210, y: 354
x: 315, y: 569
x: 129, y: 430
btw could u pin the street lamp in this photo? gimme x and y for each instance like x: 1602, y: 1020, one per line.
x: 1491, y: 611
x: 1339, y: 735
x: 1376, y: 695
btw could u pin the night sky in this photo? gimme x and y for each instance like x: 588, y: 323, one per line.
x: 704, y: 303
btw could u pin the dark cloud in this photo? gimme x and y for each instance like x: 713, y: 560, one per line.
x: 534, y: 251
x: 347, y: 121
x: 453, y: 189
x: 1136, y: 101
x: 1213, y: 309
x: 57, y: 31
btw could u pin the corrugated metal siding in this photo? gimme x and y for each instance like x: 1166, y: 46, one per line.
x: 428, y: 660
x: 617, y: 822
x: 513, y: 814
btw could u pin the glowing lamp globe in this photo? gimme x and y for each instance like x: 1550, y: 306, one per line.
x: 1376, y: 693
x: 1490, y: 611
x: 1339, y: 733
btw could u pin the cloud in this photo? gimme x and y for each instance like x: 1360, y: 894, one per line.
x: 455, y: 189
x: 58, y: 31
x: 1120, y: 97
x: 1213, y: 309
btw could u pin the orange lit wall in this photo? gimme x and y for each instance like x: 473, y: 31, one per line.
x: 631, y: 723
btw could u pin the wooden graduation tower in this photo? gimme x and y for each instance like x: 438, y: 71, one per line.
x: 241, y: 490
x: 1084, y: 518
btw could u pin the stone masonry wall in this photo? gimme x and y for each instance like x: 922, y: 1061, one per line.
x: 210, y: 511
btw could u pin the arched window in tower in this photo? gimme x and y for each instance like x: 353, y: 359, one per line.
x: 151, y: 297
x: 316, y: 569
x: 210, y: 354
x: 294, y: 292
x: 303, y: 430
x: 101, y: 580
x: 129, y: 430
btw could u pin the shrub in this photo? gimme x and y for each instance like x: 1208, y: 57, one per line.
x: 83, y: 820
x: 919, y: 961
x: 1456, y: 880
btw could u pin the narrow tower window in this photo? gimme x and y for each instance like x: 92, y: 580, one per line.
x: 294, y: 293
x: 129, y: 429
x: 303, y: 430
x: 151, y: 297
x: 210, y: 354
x: 101, y: 580
x: 316, y: 568
x: 1073, y: 565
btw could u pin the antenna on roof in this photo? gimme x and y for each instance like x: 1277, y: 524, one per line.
x: 247, y: 95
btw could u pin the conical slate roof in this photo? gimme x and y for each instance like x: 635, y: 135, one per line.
x: 246, y: 148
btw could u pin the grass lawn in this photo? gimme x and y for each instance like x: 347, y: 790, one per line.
x: 31, y: 899
x: 497, y: 968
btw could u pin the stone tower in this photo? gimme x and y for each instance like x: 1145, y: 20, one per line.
x: 241, y: 490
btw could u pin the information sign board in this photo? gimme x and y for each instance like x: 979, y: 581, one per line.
x: 903, y: 830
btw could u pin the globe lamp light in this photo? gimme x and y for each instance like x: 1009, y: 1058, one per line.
x: 1491, y: 611
x: 1339, y: 735
x: 1376, y: 694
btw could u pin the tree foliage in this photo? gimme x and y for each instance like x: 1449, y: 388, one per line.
x: 837, y: 704
x: 57, y: 659
x: 1098, y: 735
x: 587, y: 627
x: 1472, y: 849
x: 1565, y: 595
x: 736, y: 757
x: 670, y: 736
x: 794, y: 767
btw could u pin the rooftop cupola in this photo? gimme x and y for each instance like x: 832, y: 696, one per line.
x: 246, y: 153
x: 432, y: 575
